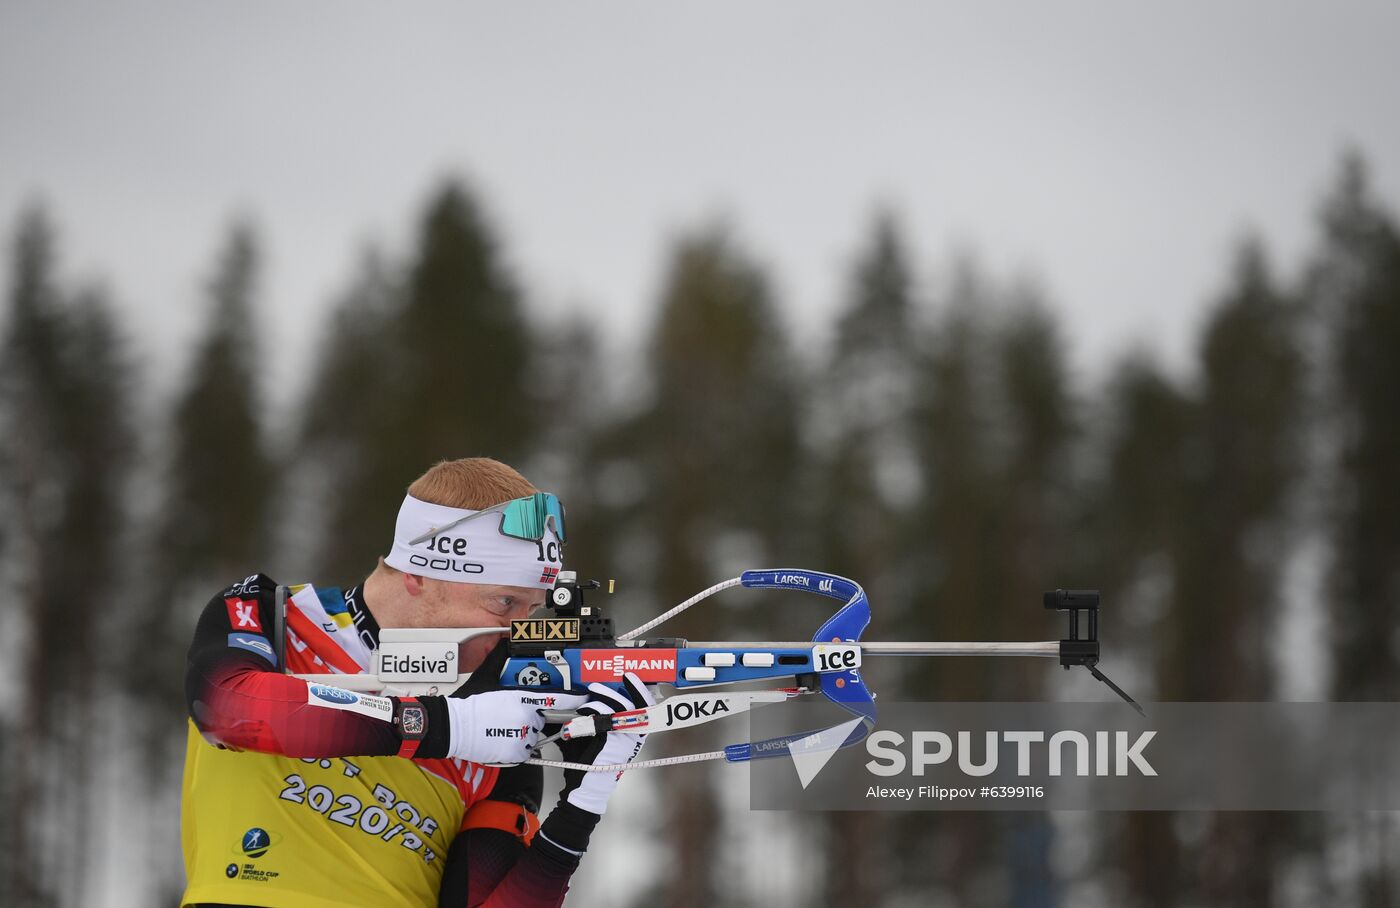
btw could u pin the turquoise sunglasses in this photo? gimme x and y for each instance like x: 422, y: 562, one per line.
x: 521, y: 518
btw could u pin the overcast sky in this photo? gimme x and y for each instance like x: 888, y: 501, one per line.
x: 1112, y: 151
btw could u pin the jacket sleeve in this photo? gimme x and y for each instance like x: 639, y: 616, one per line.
x: 239, y: 698
x: 492, y: 868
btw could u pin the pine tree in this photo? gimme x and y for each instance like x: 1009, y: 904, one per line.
x: 217, y: 509
x: 1135, y: 518
x: 1355, y: 288
x: 450, y: 379
x: 347, y: 394
x: 955, y: 540
x: 1354, y: 291
x: 35, y: 385
x: 863, y: 406
x: 949, y: 543
x: 569, y: 457
x: 1198, y: 505
x: 101, y: 435
x: 1033, y: 497
x: 864, y: 491
x: 66, y: 451
x: 1244, y: 463
x: 1032, y: 503
x: 1244, y: 473
x: 994, y: 423
x: 718, y: 446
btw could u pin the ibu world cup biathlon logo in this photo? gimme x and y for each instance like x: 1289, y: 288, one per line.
x: 256, y: 842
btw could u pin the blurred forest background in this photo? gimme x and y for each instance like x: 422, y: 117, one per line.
x: 1243, y: 521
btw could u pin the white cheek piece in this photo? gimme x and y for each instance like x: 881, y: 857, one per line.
x: 471, y: 551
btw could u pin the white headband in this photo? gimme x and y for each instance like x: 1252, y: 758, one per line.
x: 473, y: 551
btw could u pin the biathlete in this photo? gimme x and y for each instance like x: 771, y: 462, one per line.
x: 302, y: 795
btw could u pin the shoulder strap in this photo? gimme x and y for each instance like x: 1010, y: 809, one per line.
x: 279, y: 626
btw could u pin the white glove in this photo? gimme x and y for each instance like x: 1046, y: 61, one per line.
x: 500, y: 727
x: 590, y: 790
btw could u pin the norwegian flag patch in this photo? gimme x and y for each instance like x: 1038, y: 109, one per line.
x: 549, y: 575
x: 243, y: 614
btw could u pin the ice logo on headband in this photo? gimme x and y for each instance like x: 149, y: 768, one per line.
x: 451, y: 544
x: 548, y: 550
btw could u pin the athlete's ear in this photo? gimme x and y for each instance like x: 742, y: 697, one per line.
x: 413, y: 584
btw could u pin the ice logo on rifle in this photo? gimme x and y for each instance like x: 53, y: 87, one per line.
x: 332, y: 694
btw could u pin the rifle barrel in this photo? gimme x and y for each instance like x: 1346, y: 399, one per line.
x: 1047, y: 649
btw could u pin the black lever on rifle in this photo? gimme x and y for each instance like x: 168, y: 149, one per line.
x: 1077, y: 650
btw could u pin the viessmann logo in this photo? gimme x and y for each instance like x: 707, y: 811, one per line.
x: 612, y: 664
